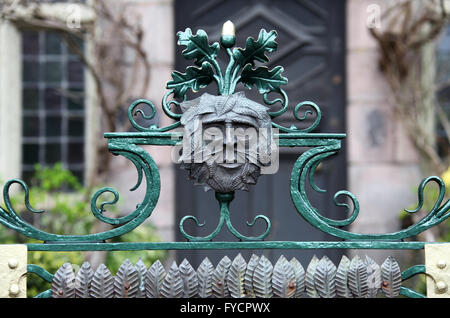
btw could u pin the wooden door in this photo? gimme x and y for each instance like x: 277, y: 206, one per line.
x: 311, y: 48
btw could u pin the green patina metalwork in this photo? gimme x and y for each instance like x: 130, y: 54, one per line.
x: 240, y: 69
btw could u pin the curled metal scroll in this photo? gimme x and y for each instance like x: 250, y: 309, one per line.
x: 293, y: 129
x: 143, y: 162
x: 134, y: 110
x: 224, y: 201
x: 301, y: 172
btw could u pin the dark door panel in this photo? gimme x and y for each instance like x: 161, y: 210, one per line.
x: 311, y: 48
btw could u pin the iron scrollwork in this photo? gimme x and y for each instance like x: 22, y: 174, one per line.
x: 241, y: 69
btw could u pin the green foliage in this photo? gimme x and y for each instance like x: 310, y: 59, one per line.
x: 197, y: 46
x: 264, y: 79
x: 194, y: 78
x: 241, y: 59
x: 67, y: 211
x: 255, y: 50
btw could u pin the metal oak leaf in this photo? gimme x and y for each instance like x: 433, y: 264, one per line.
x: 126, y: 281
x: 373, y: 277
x: 219, y: 281
x: 342, y: 290
x: 324, y: 278
x: 190, y: 281
x: 172, y: 286
x: 309, y: 278
x: 392, y: 277
x: 194, y: 78
x: 102, y: 283
x: 262, y: 278
x: 197, y: 46
x: 63, y: 284
x: 264, y: 79
x: 235, y: 277
x: 154, y: 280
x: 255, y: 50
x: 283, y: 279
x: 204, y: 274
x: 141, y: 271
x: 83, y: 280
x: 248, y: 277
x: 299, y: 278
x: 357, y: 278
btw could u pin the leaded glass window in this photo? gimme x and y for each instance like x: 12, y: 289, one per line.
x: 53, y: 104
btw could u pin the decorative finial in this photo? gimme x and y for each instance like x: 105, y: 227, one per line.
x: 228, y: 38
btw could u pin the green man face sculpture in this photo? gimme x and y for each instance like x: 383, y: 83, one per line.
x: 227, y: 141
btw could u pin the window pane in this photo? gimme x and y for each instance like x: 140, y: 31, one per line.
x: 53, y: 72
x: 30, y: 98
x: 52, y: 98
x: 52, y: 43
x: 75, y: 72
x: 30, y: 153
x: 52, y: 153
x: 30, y: 71
x: 30, y: 42
x: 76, y: 153
x: 75, y: 99
x: 76, y: 127
x: 30, y: 126
x: 79, y: 44
x: 53, y: 126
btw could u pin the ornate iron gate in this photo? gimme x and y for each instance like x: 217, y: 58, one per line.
x: 311, y: 38
x: 257, y: 276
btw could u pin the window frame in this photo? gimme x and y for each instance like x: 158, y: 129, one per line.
x: 11, y: 108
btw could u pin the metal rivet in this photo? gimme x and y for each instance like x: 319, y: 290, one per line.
x: 14, y: 290
x: 441, y: 264
x: 13, y: 263
x: 441, y: 287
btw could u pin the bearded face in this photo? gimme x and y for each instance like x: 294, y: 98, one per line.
x: 227, y: 140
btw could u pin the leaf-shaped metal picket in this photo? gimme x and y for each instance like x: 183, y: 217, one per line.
x: 63, y: 284
x: 219, y: 278
x: 262, y: 278
x: 373, y: 277
x: 172, y: 286
x: 357, y: 278
x: 342, y: 289
x: 299, y: 273
x: 204, y: 274
x: 83, y: 280
x: 238, y: 279
x: 391, y: 277
x: 235, y: 277
x: 325, y: 278
x: 126, y: 281
x: 190, y: 280
x: 248, y: 277
x: 141, y: 271
x: 102, y: 283
x: 283, y: 279
x: 309, y: 278
x: 154, y: 280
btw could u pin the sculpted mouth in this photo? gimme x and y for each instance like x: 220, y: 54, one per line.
x: 230, y: 165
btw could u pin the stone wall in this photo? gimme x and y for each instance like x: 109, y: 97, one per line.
x: 382, y: 163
